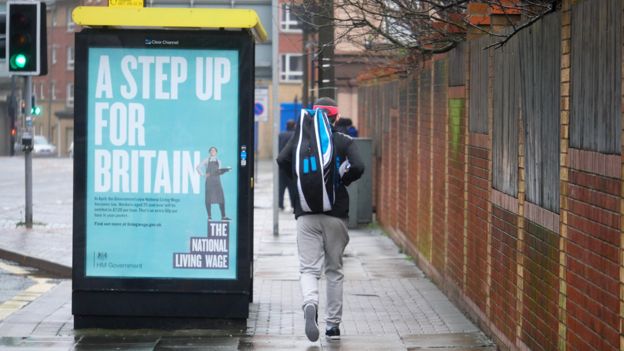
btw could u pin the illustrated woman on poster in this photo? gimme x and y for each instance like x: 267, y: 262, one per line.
x: 211, y: 169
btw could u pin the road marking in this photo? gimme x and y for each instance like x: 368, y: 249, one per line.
x: 17, y: 270
x: 19, y: 301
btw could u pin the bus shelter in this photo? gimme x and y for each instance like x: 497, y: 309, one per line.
x: 163, y: 176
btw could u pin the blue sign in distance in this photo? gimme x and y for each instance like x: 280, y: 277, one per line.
x: 258, y: 109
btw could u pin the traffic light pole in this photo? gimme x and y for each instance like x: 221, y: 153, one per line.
x: 28, y: 152
x: 276, y: 118
x: 26, y: 55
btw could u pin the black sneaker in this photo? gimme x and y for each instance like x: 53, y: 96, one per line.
x: 225, y: 218
x: 332, y: 333
x: 311, y: 322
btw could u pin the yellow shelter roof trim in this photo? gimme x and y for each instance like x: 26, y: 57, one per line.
x: 161, y: 17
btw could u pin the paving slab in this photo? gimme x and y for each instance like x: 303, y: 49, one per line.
x: 198, y: 343
x: 475, y: 340
x: 387, y: 342
x: 36, y: 343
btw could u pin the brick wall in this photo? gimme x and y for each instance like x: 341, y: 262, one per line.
x: 504, y: 231
x: 531, y: 278
x: 403, y: 156
x: 412, y: 186
x: 423, y: 155
x: 439, y: 171
x: 592, y: 257
x: 393, y: 155
x: 384, y: 180
x: 541, y: 288
x: 562, y: 342
x: 477, y: 231
x: 456, y: 186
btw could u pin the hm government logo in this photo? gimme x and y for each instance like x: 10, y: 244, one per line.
x: 150, y: 42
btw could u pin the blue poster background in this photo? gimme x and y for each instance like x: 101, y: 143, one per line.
x: 123, y: 239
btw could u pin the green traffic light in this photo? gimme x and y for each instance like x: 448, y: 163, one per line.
x: 19, y: 61
x: 35, y: 111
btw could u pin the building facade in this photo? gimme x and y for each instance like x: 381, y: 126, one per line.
x: 54, y: 93
x: 290, y: 75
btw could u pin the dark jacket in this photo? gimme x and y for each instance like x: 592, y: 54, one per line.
x: 284, y: 137
x: 345, y: 148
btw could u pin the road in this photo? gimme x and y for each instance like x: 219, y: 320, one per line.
x: 19, y: 286
x: 52, y: 193
x: 13, y: 280
x: 52, y: 208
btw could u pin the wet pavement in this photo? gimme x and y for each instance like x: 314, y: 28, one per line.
x: 388, y: 305
x: 48, y: 244
x: 11, y: 282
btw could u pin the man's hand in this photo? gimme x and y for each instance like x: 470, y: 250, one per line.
x: 344, y: 168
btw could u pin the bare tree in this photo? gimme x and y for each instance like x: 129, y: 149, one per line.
x: 404, y: 28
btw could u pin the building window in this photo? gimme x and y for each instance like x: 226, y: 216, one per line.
x: 54, y: 47
x: 41, y: 91
x: 53, y: 91
x: 70, y: 58
x: 70, y: 21
x: 288, y: 21
x: 291, y: 68
x: 53, y: 17
x: 70, y: 95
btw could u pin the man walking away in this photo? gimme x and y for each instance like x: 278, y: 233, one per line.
x: 286, y: 181
x: 322, y: 234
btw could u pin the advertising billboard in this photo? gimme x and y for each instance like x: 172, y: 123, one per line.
x: 162, y: 175
x: 163, y: 164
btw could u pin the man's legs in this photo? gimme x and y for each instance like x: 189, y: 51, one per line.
x: 310, y: 248
x: 321, y: 239
x: 336, y: 239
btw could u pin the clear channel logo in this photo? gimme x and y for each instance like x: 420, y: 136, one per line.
x: 150, y: 42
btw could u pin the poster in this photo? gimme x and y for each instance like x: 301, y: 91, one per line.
x: 162, y: 163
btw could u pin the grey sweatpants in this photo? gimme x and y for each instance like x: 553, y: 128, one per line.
x: 321, y: 240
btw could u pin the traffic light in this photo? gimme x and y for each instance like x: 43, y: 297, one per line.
x: 26, y: 51
x: 3, y: 35
x: 35, y: 110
